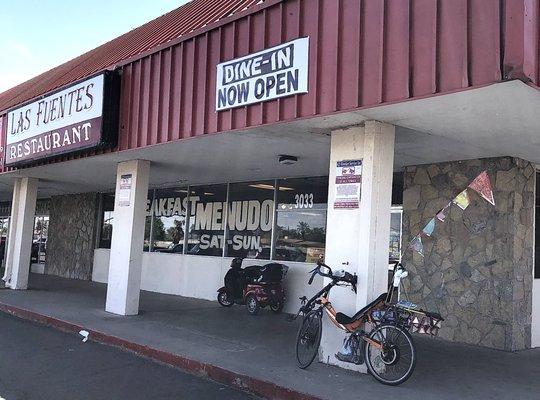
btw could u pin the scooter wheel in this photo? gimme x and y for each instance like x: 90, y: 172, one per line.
x: 252, y: 305
x: 224, y: 300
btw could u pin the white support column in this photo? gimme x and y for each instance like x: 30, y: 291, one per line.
x: 125, y: 263
x: 357, y: 239
x: 23, y: 209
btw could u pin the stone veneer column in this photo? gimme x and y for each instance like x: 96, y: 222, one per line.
x: 357, y: 239
x: 477, y: 269
x: 72, y: 235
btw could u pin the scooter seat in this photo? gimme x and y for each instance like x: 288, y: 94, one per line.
x: 344, y: 319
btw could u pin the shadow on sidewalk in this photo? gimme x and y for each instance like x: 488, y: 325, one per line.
x: 262, y: 347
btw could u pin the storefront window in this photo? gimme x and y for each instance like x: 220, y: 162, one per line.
x: 537, y: 230
x: 237, y: 220
x: 250, y: 219
x: 166, y: 220
x: 39, y: 240
x: 206, y: 227
x: 395, y: 233
x: 301, y: 219
x: 107, y: 221
x: 4, y: 232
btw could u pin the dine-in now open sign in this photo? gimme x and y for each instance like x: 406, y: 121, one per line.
x: 269, y: 74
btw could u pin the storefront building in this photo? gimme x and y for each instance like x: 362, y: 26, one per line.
x: 289, y: 130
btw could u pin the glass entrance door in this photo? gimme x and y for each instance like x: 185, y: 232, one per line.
x: 535, y: 324
x: 39, y: 241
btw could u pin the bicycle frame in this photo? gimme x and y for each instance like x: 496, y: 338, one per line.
x: 321, y: 298
x: 308, y: 305
x: 376, y: 326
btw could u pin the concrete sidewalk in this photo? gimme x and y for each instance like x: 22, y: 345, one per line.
x: 257, y: 353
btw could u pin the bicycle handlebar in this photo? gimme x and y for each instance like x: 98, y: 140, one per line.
x: 347, y: 277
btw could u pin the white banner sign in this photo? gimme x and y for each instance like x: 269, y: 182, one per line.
x: 64, y: 121
x: 269, y: 74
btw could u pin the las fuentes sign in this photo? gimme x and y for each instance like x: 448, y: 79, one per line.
x: 82, y: 116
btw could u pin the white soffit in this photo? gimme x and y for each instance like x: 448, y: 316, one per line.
x: 500, y: 119
x: 496, y: 120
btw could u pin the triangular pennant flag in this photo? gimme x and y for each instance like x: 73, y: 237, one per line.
x: 462, y: 200
x: 430, y: 227
x: 441, y: 216
x: 416, y: 245
x: 482, y: 185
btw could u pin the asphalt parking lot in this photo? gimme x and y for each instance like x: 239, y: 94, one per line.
x: 38, y: 362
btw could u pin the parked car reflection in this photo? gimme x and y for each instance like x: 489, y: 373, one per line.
x: 173, y: 248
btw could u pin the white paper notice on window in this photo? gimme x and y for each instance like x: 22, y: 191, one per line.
x: 124, y: 191
x: 348, y: 184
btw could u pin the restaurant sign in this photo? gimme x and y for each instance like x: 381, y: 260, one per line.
x: 269, y: 74
x: 82, y: 116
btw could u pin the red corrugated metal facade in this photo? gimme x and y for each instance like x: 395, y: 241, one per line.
x: 362, y: 53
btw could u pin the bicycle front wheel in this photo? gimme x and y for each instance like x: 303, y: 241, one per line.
x: 390, y: 355
x: 308, y: 339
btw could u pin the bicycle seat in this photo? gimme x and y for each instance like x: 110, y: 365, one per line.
x: 345, y: 319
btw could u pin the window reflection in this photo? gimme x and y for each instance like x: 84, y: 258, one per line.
x: 168, y: 227
x: 299, y: 213
x: 395, y: 233
x: 4, y: 232
x: 301, y: 219
x: 537, y: 229
x: 250, y: 220
x: 39, y: 239
x: 206, y: 205
x: 107, y: 221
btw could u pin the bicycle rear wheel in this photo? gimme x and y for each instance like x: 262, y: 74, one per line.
x: 393, y: 363
x: 308, y: 339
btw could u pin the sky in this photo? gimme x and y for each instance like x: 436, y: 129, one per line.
x: 37, y: 35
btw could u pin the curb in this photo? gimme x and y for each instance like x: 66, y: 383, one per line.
x: 253, y: 385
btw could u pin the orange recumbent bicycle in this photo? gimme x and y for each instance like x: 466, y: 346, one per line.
x: 379, y: 332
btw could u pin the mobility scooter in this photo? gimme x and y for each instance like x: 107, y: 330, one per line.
x: 255, y: 286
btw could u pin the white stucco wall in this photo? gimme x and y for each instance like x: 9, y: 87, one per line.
x: 200, y: 277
